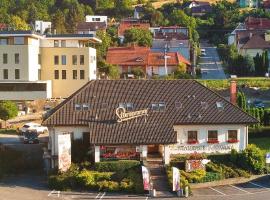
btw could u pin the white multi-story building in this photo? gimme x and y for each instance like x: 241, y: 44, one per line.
x: 31, y: 64
x: 96, y: 18
x: 42, y: 27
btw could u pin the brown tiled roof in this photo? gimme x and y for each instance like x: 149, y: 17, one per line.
x: 157, y: 127
x: 126, y: 25
x: 257, y: 23
x: 141, y: 56
x: 91, y: 26
x: 257, y: 42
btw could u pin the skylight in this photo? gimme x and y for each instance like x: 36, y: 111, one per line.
x: 220, y: 105
x: 85, y: 106
x: 78, y: 107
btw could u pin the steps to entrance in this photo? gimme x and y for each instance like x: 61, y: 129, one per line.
x: 158, y: 176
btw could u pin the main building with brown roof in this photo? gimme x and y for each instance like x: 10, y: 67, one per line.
x: 165, y: 116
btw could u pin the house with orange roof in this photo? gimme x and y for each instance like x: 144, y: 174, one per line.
x: 152, y: 63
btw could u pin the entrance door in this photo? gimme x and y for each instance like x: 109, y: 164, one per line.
x: 153, y: 149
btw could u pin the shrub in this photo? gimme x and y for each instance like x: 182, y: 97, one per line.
x: 110, y: 186
x: 229, y: 172
x: 195, y: 176
x: 211, y: 176
x: 252, y: 159
x: 115, y: 166
x: 126, y: 185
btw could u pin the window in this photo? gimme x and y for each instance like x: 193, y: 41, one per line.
x: 158, y: 106
x: 122, y: 105
x: 74, y: 60
x: 81, y: 74
x: 17, y: 74
x: 63, y: 43
x: 39, y: 59
x: 192, y: 137
x: 3, y: 41
x: 56, y: 43
x: 78, y: 107
x: 17, y: 58
x: 81, y: 59
x: 18, y: 40
x: 129, y: 106
x: 56, y: 60
x: 64, y: 60
x: 74, y: 74
x: 220, y: 105
x: 5, y: 73
x: 64, y: 74
x: 85, y: 106
x: 178, y: 105
x: 232, y: 136
x: 5, y: 58
x: 56, y: 74
x: 212, y: 136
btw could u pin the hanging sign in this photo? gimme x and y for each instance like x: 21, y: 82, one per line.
x: 146, y: 178
x: 64, y: 152
x: 176, y: 179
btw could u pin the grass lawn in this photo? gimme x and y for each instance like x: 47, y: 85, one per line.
x: 8, y: 131
x: 263, y: 143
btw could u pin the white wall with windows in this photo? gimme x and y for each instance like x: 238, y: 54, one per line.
x: 201, y: 138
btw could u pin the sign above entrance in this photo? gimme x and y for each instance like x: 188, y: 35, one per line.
x: 123, y: 115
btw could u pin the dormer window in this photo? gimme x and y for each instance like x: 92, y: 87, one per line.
x: 129, y: 106
x: 78, y: 107
x: 158, y: 106
x: 220, y: 105
x: 85, y: 106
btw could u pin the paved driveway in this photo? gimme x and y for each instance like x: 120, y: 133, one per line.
x: 210, y: 64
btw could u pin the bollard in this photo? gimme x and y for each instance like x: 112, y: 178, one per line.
x: 186, y: 192
x: 154, y: 193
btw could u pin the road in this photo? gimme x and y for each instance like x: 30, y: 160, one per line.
x: 34, y: 187
x: 18, y: 139
x: 211, y: 66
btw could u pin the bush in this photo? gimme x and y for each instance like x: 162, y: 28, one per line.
x: 126, y: 185
x: 195, y: 176
x: 252, y: 159
x: 211, y: 176
x: 110, y: 186
x: 115, y: 166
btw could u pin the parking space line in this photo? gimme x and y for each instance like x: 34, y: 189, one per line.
x: 240, y: 189
x: 102, y: 195
x: 259, y: 185
x: 97, y: 195
x: 217, y: 191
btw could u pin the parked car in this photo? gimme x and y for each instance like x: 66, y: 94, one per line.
x: 30, y: 137
x: 34, y: 127
x: 203, y: 53
x: 258, y: 104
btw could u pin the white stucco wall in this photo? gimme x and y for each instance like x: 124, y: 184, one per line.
x: 55, y: 131
x: 182, y: 147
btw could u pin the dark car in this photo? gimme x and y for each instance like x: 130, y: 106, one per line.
x: 30, y: 137
x: 258, y: 104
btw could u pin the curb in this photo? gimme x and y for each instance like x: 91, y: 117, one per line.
x: 230, y: 181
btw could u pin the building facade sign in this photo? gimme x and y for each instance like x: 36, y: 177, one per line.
x: 206, y: 148
x: 64, y: 152
x: 123, y: 115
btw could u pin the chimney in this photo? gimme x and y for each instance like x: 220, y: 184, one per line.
x: 233, y: 92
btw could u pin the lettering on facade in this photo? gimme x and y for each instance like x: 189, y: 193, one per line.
x: 123, y: 115
x: 203, y: 148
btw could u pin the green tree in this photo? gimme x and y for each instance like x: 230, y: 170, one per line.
x: 113, y: 72
x: 8, y: 110
x: 138, y: 36
x: 18, y: 24
x: 138, y: 72
x: 59, y: 22
x: 241, y: 101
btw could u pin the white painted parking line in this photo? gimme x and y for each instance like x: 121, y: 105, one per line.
x: 97, y: 195
x: 51, y: 193
x: 240, y: 189
x: 259, y: 185
x: 217, y: 191
x: 102, y: 195
x: 146, y: 198
x: 58, y: 194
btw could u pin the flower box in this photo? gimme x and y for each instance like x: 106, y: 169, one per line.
x: 212, y: 141
x: 233, y: 141
x: 192, y: 142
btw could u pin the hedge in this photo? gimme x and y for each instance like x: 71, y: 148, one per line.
x: 115, y: 166
x: 259, y: 132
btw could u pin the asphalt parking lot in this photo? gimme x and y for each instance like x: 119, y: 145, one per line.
x: 34, y: 187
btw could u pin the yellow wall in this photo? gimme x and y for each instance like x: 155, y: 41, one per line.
x: 64, y: 88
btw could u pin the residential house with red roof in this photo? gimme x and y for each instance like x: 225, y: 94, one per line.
x: 130, y: 23
x: 152, y: 63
